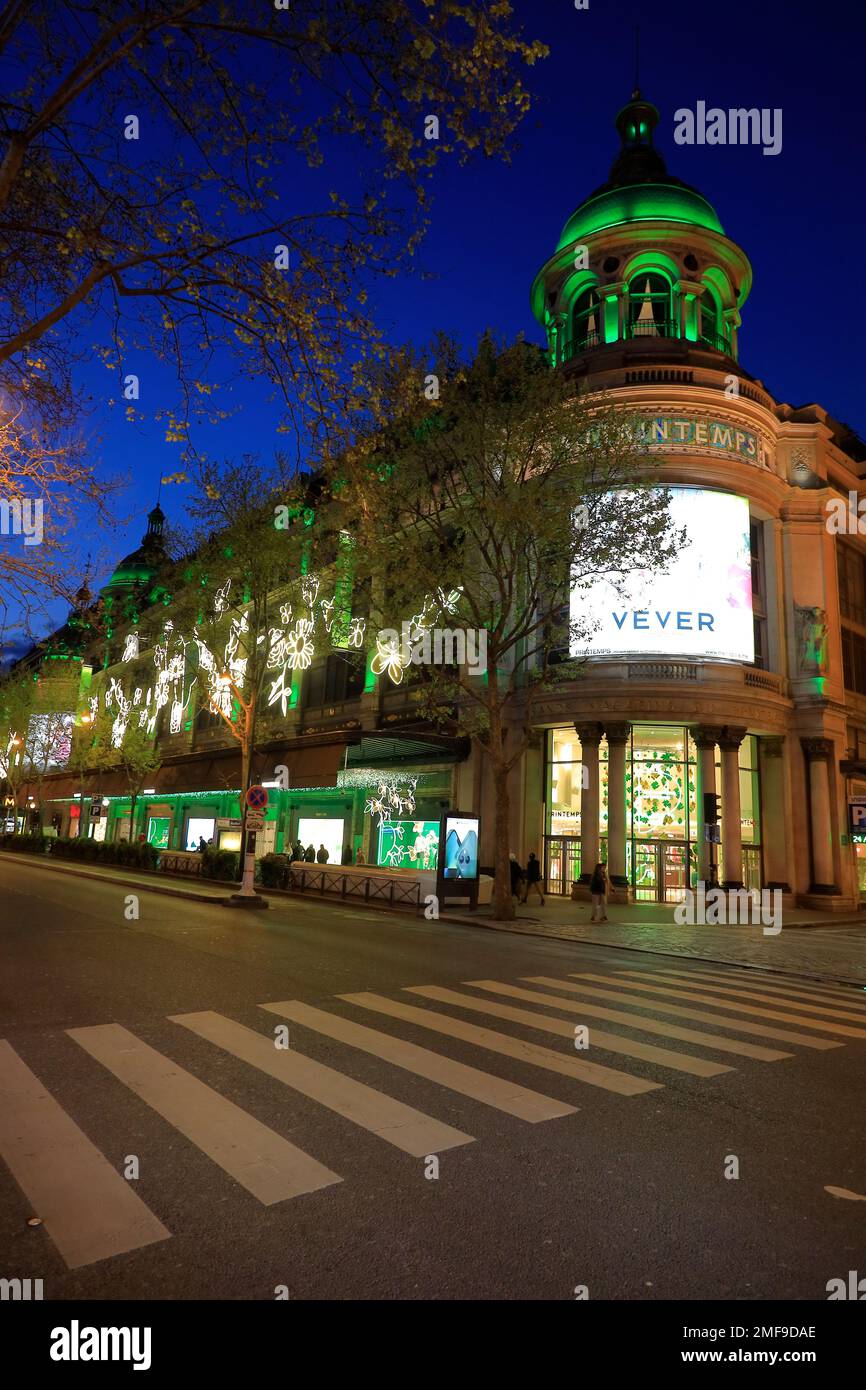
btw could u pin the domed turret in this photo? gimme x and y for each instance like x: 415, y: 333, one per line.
x: 644, y: 257
x: 143, y: 564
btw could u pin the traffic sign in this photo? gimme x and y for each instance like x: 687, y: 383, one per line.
x: 255, y: 820
x: 257, y: 797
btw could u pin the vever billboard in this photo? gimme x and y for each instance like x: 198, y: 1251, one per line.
x: 700, y: 607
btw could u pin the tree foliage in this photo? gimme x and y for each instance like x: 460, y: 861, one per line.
x: 508, y: 486
x: 171, y: 183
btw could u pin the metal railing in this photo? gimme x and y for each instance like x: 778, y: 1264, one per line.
x: 717, y: 341
x: 369, y: 887
x: 652, y: 328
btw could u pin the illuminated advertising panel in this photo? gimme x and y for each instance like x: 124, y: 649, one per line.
x: 700, y: 607
x: 460, y: 838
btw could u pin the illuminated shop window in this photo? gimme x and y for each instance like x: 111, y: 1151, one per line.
x: 712, y: 331
x: 586, y: 321
x: 650, y: 312
x: 660, y: 784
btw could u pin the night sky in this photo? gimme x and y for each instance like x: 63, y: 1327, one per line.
x: 798, y: 215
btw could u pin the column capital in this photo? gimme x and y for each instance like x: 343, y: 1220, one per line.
x: 706, y: 735
x: 771, y: 746
x: 817, y: 749
x: 589, y: 733
x: 731, y: 738
x: 618, y: 733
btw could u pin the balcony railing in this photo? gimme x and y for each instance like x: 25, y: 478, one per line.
x: 652, y: 328
x: 575, y: 346
x: 717, y: 341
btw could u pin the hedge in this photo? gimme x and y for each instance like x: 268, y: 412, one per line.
x: 220, y: 863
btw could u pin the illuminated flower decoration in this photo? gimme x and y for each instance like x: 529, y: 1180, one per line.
x: 94, y: 706
x: 299, y: 648
x: 281, y: 690
x: 388, y: 657
x: 131, y: 648
x: 326, y: 608
x: 221, y: 599
x: 355, y: 635
x: 277, y: 651
x: 310, y: 590
x: 286, y: 613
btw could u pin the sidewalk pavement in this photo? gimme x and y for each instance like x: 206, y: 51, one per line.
x: 822, y: 946
x: 819, y: 947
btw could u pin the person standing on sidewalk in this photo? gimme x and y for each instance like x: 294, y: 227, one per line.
x: 533, y: 879
x: 598, y: 893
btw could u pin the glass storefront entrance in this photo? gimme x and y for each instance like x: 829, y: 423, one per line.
x: 662, y: 819
x: 662, y: 870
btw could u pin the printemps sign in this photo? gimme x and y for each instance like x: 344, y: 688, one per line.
x: 689, y: 432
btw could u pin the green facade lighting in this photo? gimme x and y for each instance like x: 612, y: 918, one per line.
x: 636, y: 203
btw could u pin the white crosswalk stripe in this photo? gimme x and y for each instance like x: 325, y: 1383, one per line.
x: 265, y: 1164
x: 735, y: 991
x: 91, y: 1212
x: 670, y: 992
x: 608, y: 1042
x: 590, y: 1072
x: 401, y: 1125
x: 673, y: 1031
x: 495, y: 1091
x: 760, y: 1030
x: 751, y: 980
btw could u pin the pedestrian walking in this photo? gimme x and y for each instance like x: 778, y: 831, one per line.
x: 347, y: 853
x: 533, y: 879
x: 517, y: 875
x: 598, y: 893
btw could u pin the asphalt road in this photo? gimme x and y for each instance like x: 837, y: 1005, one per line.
x: 592, y: 1167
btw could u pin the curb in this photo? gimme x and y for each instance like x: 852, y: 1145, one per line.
x: 515, y: 930
x: 156, y: 887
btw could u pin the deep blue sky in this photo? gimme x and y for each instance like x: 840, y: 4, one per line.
x: 798, y: 215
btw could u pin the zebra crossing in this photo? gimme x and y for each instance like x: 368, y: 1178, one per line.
x: 92, y: 1213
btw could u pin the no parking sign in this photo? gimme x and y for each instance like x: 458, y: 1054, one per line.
x: 257, y: 798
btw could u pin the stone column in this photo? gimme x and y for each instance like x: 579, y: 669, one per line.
x: 705, y: 738
x: 732, y: 841
x: 617, y: 737
x: 818, y: 753
x: 772, y: 752
x: 590, y: 738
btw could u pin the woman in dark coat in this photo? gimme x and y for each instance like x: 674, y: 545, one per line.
x: 598, y: 893
x: 533, y: 879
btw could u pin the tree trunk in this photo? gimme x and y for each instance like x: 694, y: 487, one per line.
x: 503, y: 902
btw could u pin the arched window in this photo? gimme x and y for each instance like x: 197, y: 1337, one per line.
x: 712, y: 331
x: 586, y: 321
x: 649, y: 312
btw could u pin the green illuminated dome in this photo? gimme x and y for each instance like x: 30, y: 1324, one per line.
x: 142, y: 564
x: 639, y: 186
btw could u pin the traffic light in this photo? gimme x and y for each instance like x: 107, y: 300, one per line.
x: 712, y: 803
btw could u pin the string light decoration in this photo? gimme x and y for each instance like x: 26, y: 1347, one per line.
x: 394, y: 653
x: 290, y: 647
